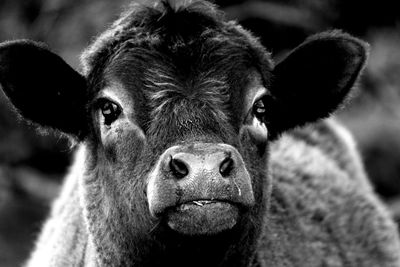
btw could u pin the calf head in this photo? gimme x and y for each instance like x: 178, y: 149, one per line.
x: 175, y: 109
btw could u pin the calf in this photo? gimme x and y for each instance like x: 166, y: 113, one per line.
x: 186, y: 150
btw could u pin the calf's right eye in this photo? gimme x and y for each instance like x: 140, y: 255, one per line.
x: 110, y: 111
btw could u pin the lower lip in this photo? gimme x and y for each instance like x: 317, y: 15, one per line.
x: 203, y: 217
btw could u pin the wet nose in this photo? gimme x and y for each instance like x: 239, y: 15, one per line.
x: 199, y: 172
x: 220, y: 161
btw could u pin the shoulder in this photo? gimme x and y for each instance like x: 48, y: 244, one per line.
x: 318, y: 149
x: 321, y: 193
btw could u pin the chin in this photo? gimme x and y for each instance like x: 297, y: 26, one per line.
x: 203, y: 217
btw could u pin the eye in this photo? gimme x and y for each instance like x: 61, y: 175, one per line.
x: 110, y: 111
x: 259, y: 109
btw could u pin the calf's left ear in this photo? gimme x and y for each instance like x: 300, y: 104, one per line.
x: 314, y: 79
x: 43, y: 87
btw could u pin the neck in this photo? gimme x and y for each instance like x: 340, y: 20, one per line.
x: 166, y: 248
x: 232, y: 248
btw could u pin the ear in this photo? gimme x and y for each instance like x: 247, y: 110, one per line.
x: 42, y: 87
x: 314, y: 79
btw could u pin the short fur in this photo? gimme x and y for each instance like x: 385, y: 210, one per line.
x: 189, y: 77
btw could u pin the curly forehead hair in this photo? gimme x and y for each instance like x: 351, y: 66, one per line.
x: 167, y: 26
x: 163, y: 21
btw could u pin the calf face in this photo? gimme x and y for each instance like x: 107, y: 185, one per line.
x: 175, y: 110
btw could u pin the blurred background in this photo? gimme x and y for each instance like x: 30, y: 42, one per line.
x: 32, y: 165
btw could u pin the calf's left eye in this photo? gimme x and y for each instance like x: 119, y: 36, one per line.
x: 259, y: 109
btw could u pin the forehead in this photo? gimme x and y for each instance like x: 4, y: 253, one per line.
x: 186, y: 66
x: 212, y: 69
x: 190, y: 39
x: 189, y: 66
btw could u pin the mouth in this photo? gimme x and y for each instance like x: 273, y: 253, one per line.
x: 203, y: 217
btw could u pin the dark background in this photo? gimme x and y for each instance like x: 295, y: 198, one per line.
x: 32, y: 165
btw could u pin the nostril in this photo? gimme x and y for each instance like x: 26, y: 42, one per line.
x: 178, y: 168
x: 226, y: 166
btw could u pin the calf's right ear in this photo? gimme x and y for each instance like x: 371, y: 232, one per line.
x: 43, y: 87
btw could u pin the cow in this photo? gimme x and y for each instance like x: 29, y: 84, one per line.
x: 194, y: 149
